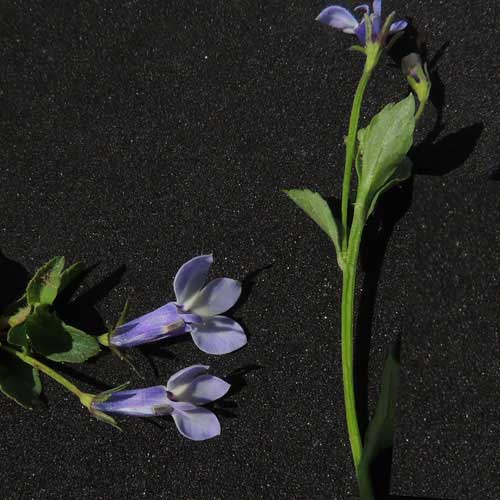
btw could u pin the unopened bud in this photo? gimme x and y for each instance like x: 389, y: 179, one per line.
x: 417, y: 75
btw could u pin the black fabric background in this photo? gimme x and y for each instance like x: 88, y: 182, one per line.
x: 137, y: 134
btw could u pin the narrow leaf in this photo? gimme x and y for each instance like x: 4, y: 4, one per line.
x: 380, y: 433
x: 19, y: 381
x: 318, y: 210
x: 43, y: 287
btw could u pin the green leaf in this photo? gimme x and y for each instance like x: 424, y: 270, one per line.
x: 70, y: 274
x: 19, y: 381
x: 383, y: 146
x: 318, y: 210
x: 17, y: 335
x: 402, y: 172
x: 58, y: 341
x: 43, y: 287
x: 380, y: 433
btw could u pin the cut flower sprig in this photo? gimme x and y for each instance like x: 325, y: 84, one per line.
x: 379, y: 154
x: 32, y: 334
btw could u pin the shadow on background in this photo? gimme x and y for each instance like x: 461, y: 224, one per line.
x: 432, y: 156
x: 14, y: 280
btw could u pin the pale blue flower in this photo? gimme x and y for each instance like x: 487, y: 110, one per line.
x: 340, y: 18
x: 197, y: 310
x: 181, y: 398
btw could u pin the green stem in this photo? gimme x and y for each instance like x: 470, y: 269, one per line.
x: 351, y: 147
x: 347, y: 338
x: 45, y: 369
x: 420, y: 109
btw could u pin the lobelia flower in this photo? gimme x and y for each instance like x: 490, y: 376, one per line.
x: 340, y: 18
x: 196, y: 311
x: 181, y: 398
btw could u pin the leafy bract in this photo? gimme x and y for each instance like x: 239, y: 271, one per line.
x: 318, y: 210
x: 43, y: 287
x: 58, y: 341
x: 383, y: 146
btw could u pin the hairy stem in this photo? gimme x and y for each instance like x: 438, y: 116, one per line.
x: 347, y: 337
x: 350, y: 149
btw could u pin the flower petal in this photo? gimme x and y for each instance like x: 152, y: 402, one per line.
x: 197, y: 424
x: 377, y: 7
x: 218, y: 335
x: 376, y: 26
x: 181, y: 379
x: 398, y: 26
x: 364, y: 6
x: 204, y: 389
x: 339, y: 18
x: 360, y: 32
x: 156, y: 325
x: 217, y: 297
x: 191, y: 277
x: 148, y: 402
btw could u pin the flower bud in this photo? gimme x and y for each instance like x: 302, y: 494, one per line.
x: 417, y: 75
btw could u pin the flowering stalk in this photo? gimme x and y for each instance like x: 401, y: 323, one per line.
x: 379, y: 155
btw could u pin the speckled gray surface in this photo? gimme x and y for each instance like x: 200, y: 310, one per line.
x: 139, y: 134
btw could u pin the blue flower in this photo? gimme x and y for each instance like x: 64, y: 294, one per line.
x: 196, y: 311
x: 181, y: 398
x: 342, y: 19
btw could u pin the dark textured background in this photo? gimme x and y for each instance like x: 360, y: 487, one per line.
x: 142, y: 133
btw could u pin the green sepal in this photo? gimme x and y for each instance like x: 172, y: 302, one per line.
x: 318, y: 210
x: 104, y: 395
x: 87, y: 400
x: 123, y: 315
x: 117, y: 352
x: 58, y: 341
x: 19, y: 381
x: 123, y: 357
x: 380, y: 433
x: 43, y: 287
x: 104, y: 417
x: 18, y: 336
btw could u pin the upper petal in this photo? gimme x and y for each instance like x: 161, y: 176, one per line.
x: 204, y: 389
x: 339, y: 18
x: 218, y: 335
x: 181, y: 379
x: 191, y: 277
x: 147, y: 402
x: 197, y: 424
x: 217, y: 297
x: 364, y: 6
x: 398, y: 26
x: 377, y: 7
x: 376, y: 26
